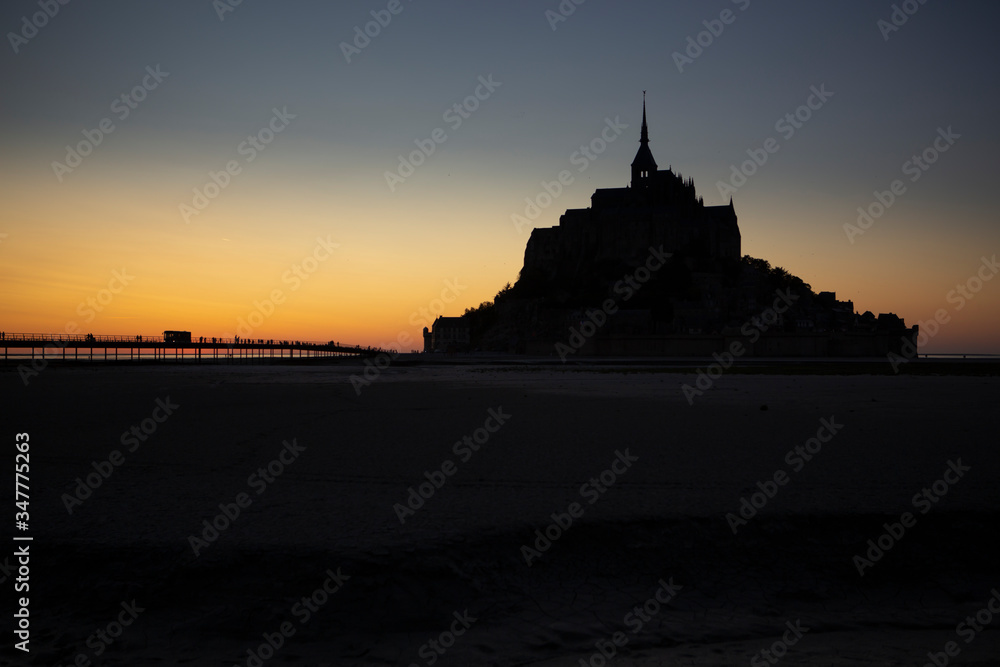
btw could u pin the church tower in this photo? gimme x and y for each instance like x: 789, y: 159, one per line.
x: 643, y: 166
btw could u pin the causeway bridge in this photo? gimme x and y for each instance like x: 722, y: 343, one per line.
x: 99, y: 347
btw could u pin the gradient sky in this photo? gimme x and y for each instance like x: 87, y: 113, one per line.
x: 448, y: 227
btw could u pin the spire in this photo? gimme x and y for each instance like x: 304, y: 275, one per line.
x: 644, y: 137
x: 643, y: 166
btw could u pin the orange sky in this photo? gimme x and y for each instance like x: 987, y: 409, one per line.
x: 398, y: 260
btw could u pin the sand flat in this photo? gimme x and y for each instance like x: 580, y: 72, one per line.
x: 665, y: 516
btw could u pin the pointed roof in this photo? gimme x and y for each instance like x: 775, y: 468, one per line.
x: 644, y: 157
x: 645, y: 130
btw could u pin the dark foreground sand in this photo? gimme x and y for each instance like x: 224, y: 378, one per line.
x: 660, y: 520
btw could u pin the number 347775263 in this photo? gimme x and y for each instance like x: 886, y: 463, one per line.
x: 21, y: 442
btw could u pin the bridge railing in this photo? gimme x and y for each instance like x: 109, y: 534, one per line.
x: 70, y: 338
x: 104, y: 339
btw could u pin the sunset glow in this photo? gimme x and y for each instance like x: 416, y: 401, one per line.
x: 207, y: 220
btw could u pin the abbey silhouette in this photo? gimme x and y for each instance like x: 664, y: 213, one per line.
x: 660, y: 208
x: 649, y: 269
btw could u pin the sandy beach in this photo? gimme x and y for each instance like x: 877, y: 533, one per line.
x: 502, y: 515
